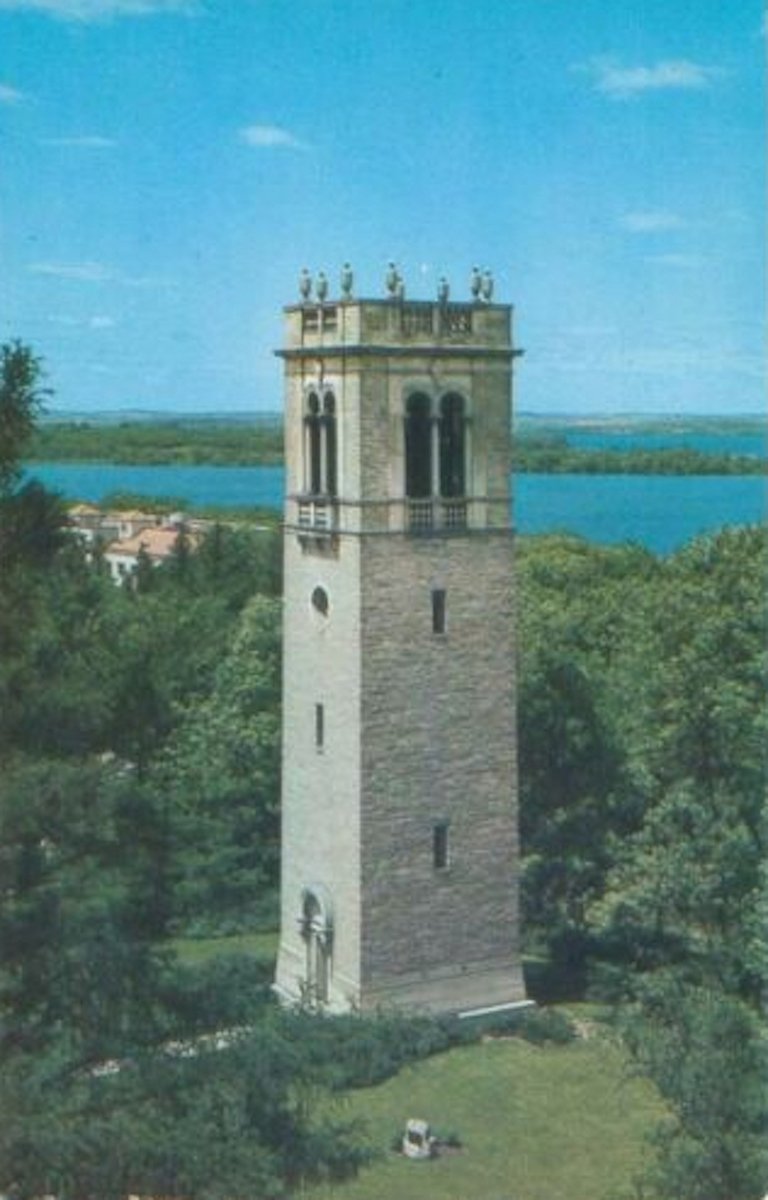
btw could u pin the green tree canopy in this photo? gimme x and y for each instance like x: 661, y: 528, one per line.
x: 21, y: 402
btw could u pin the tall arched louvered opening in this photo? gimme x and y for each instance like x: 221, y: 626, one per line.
x: 331, y: 444
x: 418, y: 447
x: 452, y: 446
x: 312, y: 444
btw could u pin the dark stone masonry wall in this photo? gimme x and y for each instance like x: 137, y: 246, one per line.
x: 438, y: 745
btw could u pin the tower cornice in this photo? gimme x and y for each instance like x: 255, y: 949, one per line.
x: 342, y: 350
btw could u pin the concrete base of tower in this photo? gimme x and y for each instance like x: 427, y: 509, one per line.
x: 462, y: 990
x: 495, y: 1010
x: 449, y: 990
x: 301, y: 997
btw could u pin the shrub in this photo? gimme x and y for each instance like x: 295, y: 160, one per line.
x: 539, y: 1025
x: 451, y: 1138
x: 536, y: 1025
x: 226, y: 991
x: 356, y: 1051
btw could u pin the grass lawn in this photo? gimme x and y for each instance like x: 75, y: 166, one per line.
x: 262, y: 946
x: 537, y: 1123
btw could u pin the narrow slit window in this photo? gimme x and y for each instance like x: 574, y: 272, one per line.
x: 319, y: 726
x: 438, y: 610
x: 440, y: 846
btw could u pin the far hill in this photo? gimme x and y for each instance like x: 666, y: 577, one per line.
x: 544, y: 444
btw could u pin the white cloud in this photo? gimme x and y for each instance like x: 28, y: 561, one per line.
x: 622, y: 83
x: 88, y: 272
x: 270, y: 136
x: 81, y: 322
x: 651, y: 221
x: 95, y: 272
x: 99, y: 10
x: 89, y: 141
x: 10, y: 95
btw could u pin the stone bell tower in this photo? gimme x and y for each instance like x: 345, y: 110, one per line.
x: 400, y: 850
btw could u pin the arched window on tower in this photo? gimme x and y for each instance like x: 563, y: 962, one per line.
x: 321, y: 445
x: 329, y: 427
x: 418, y: 447
x: 452, y: 446
x: 316, y: 925
x: 312, y: 445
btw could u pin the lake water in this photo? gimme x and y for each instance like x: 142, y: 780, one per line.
x: 658, y: 511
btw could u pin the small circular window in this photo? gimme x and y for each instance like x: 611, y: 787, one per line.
x: 320, y: 601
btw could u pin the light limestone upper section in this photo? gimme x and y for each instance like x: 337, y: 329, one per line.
x: 368, y: 325
x: 371, y: 355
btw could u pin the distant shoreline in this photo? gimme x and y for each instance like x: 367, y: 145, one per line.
x: 543, y: 445
x: 611, y: 422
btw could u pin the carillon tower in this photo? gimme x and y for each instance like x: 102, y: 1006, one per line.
x: 400, y: 850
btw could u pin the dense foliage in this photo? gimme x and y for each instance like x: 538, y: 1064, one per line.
x: 181, y: 441
x: 643, y: 733
x: 554, y: 456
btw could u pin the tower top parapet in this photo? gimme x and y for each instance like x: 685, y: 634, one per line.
x: 319, y: 321
x: 392, y: 324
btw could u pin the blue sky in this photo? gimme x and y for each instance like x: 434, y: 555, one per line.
x: 169, y: 166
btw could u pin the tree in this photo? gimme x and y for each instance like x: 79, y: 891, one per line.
x: 30, y: 517
x: 706, y: 1053
x: 642, y: 756
x: 31, y: 521
x: 21, y: 403
x: 221, y: 771
x: 694, y: 728
x: 236, y: 562
x: 55, y: 680
x: 682, y: 904
x: 575, y: 599
x: 106, y: 1086
x: 208, y: 1124
x: 31, y: 527
x: 77, y: 964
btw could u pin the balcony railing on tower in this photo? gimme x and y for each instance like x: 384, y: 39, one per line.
x: 317, y: 515
x: 427, y: 516
x: 323, y: 518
